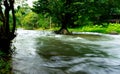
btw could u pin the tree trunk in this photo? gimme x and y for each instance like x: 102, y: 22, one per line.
x: 6, y: 35
x: 14, y: 18
x: 65, y: 19
x: 6, y: 22
x: 63, y: 29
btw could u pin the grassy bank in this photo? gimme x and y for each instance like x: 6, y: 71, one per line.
x: 5, y: 64
x: 109, y: 29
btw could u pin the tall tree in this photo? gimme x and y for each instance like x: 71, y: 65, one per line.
x: 6, y: 33
x: 71, y: 12
x: 59, y: 9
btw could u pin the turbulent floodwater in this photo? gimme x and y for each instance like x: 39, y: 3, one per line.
x: 42, y: 52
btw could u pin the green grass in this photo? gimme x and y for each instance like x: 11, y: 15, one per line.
x: 89, y: 29
x: 106, y: 28
x: 5, y: 65
x: 111, y: 28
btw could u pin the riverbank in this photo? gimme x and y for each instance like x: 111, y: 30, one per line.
x: 5, y: 64
x: 112, y: 28
x: 106, y: 29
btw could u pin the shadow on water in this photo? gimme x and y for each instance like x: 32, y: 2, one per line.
x: 54, y: 47
x: 41, y: 52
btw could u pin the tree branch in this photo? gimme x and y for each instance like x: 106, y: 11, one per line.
x: 1, y: 14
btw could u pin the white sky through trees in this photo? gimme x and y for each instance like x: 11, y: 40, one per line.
x: 30, y: 2
x: 20, y: 2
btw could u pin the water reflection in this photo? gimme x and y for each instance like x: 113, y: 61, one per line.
x: 41, y: 52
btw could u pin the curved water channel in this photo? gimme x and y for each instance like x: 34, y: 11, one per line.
x: 43, y: 52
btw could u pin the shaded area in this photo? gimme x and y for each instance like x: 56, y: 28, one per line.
x: 55, y: 47
x: 5, y: 59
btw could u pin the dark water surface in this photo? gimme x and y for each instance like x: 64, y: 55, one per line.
x: 42, y: 52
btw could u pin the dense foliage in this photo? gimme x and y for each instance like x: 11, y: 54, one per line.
x: 77, y: 12
x: 7, y: 34
x: 72, y: 13
x: 5, y: 8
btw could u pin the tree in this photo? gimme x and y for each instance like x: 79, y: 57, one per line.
x: 30, y: 21
x: 58, y: 9
x: 101, y: 10
x: 6, y: 33
x: 75, y: 12
x: 21, y: 12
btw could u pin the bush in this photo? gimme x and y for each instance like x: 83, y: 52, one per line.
x: 43, y: 21
x: 30, y: 21
x: 113, y: 27
x: 109, y: 28
x: 5, y: 65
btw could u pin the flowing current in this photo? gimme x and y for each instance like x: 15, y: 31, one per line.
x: 43, y: 52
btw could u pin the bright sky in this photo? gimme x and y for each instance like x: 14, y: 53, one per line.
x: 30, y: 2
